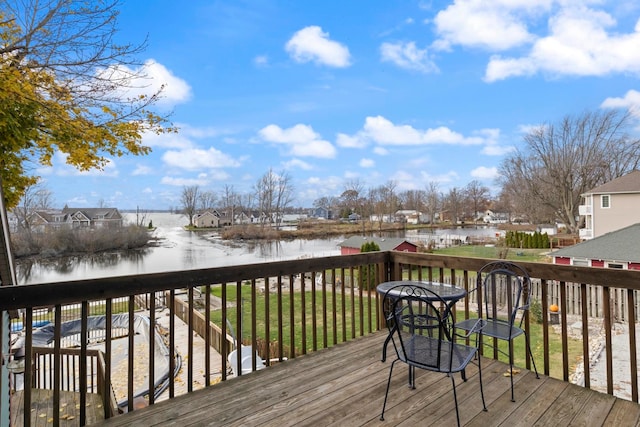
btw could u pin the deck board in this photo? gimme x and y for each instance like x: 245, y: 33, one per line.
x: 42, y: 408
x: 345, y: 385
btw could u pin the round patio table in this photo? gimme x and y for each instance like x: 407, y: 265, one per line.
x: 450, y: 293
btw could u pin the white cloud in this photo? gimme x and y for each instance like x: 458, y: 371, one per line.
x: 444, y: 178
x: 142, y: 170
x: 494, y: 25
x: 497, y: 150
x: 578, y: 44
x: 184, y: 138
x: 261, y: 60
x: 148, y: 80
x: 198, y: 159
x: 348, y: 141
x: 166, y: 140
x: 384, y: 132
x: 311, y: 44
x: 405, y: 180
x: 367, y: 163
x: 299, y: 132
x: 297, y: 164
x: 630, y: 101
x: 407, y: 56
x: 77, y: 201
x: 176, y: 90
x: 182, y: 182
x: 326, y: 183
x: 301, y: 140
x: 483, y: 172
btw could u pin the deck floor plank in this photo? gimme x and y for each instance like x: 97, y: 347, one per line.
x: 42, y: 408
x: 569, y: 403
x: 623, y: 413
x: 499, y: 398
x: 345, y: 385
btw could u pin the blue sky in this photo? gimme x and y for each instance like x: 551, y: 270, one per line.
x: 406, y: 91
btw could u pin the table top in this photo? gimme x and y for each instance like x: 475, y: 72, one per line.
x: 445, y: 291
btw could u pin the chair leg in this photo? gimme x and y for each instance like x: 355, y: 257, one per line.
x: 386, y: 393
x: 484, y: 405
x: 513, y: 399
x: 526, y: 337
x: 455, y: 398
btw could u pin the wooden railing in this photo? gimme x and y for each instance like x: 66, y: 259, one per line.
x: 44, y: 358
x: 290, y: 308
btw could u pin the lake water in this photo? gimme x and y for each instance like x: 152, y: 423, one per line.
x: 178, y: 249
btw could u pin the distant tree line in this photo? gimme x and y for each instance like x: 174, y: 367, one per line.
x: 272, y: 196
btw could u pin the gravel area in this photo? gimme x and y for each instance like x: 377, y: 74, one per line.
x: 597, y: 363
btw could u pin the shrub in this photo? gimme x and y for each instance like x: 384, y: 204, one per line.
x: 536, y: 310
x: 68, y: 241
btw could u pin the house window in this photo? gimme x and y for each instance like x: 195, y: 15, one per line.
x: 615, y: 265
x: 581, y: 262
x: 605, y: 201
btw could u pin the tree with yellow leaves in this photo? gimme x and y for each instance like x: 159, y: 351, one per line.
x: 67, y: 87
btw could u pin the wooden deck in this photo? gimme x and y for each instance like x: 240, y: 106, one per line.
x: 42, y: 408
x: 345, y: 385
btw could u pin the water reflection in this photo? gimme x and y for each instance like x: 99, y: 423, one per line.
x: 30, y: 269
x: 177, y: 249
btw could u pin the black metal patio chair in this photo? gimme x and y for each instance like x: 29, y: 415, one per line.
x: 422, y: 332
x: 502, y: 293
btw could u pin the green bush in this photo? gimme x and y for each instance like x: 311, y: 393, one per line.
x: 368, y: 272
x: 536, y: 311
x: 522, y: 240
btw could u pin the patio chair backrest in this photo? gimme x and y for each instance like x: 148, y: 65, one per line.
x: 505, y: 292
x: 411, y: 312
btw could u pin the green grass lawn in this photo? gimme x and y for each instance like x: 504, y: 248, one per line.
x: 478, y: 251
x: 352, y: 306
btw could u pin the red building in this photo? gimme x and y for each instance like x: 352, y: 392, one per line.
x: 616, y: 249
x: 353, y: 244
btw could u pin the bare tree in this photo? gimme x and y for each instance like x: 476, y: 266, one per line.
x: 189, y: 199
x: 207, y: 200
x: 564, y: 160
x: 376, y: 203
x: 35, y: 198
x: 390, y: 197
x: 453, y: 202
x: 477, y: 196
x: 274, y: 192
x: 231, y: 201
x: 350, y: 199
x: 412, y: 200
x: 322, y: 202
x: 284, y: 195
x: 432, y: 200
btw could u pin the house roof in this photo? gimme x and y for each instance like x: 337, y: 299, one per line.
x: 107, y: 213
x: 385, y: 244
x: 619, y: 245
x: 629, y: 183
